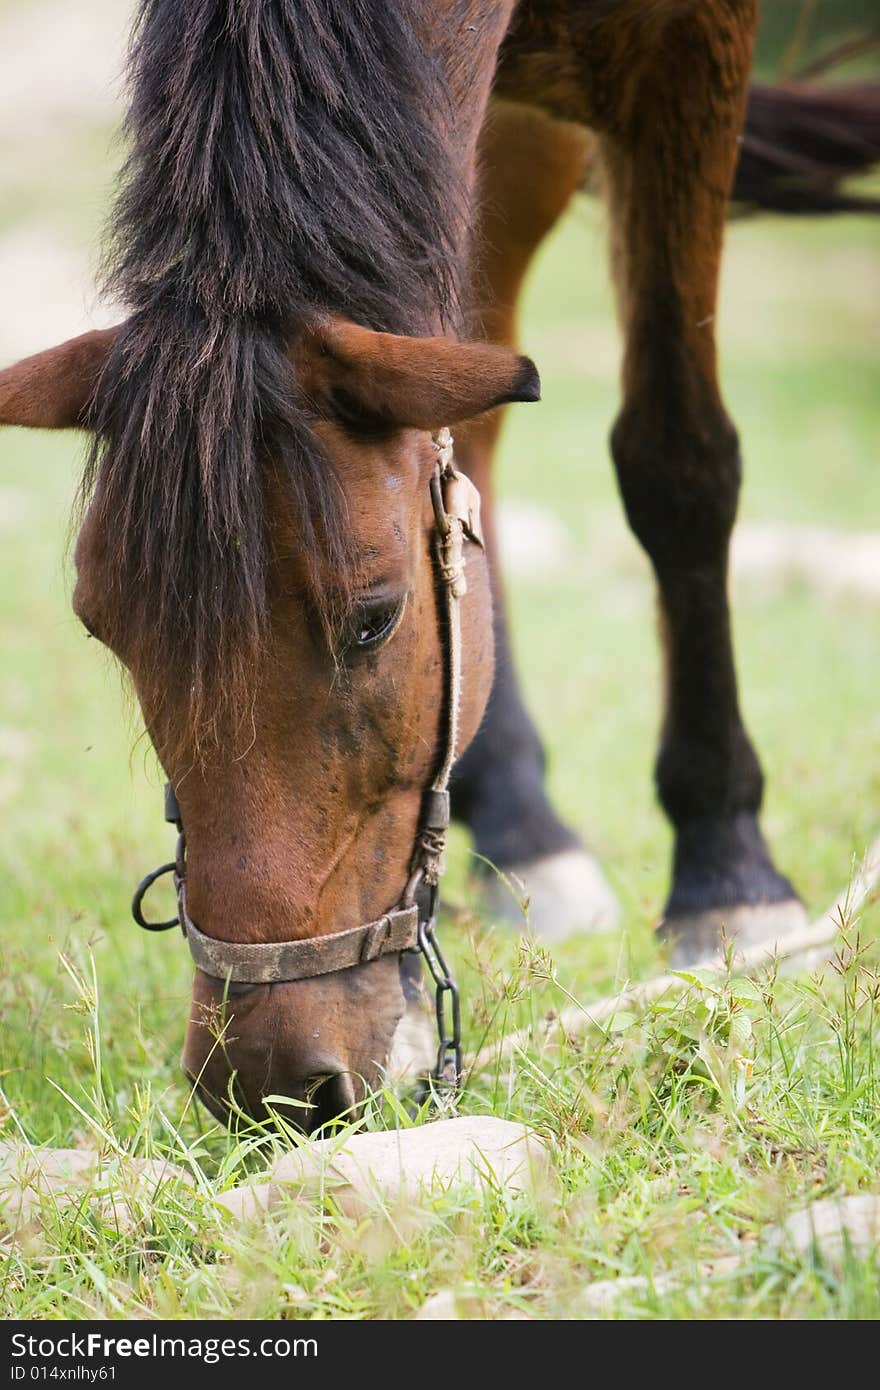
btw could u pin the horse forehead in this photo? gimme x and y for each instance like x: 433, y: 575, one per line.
x: 385, y: 485
x: 386, y: 502
x: 387, y: 513
x: 396, y: 465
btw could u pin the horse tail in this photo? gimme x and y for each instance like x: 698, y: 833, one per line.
x: 277, y: 167
x: 802, y: 141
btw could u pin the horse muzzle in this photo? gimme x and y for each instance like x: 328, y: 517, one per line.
x: 311, y: 1049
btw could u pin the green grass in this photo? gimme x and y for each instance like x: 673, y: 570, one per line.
x: 676, y: 1142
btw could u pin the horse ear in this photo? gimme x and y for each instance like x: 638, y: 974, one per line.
x: 422, y: 383
x: 53, y: 390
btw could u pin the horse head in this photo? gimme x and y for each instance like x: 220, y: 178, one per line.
x: 300, y: 759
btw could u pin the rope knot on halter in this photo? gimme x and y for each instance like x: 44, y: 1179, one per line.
x: 430, y: 855
x: 456, y: 513
x: 443, y: 443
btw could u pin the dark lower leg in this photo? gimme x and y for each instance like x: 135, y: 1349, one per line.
x: 709, y: 779
x: 679, y: 478
x: 676, y: 453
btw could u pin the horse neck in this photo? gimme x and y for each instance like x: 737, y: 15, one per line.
x: 465, y: 36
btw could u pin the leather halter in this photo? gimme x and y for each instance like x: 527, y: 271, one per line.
x: 411, y: 924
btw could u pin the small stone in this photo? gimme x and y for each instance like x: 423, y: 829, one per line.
x: 832, y: 1226
x: 466, y: 1305
x: 604, y: 1294
x: 400, y: 1164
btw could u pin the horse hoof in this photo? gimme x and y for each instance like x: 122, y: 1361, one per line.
x: 699, y: 937
x: 557, y: 896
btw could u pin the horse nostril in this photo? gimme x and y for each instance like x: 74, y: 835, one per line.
x: 332, y: 1099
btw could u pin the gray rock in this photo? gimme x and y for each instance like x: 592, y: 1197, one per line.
x: 401, y: 1164
x: 119, y: 1187
x: 392, y: 1166
x: 831, y: 1227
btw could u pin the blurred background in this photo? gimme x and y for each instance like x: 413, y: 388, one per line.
x: 799, y: 328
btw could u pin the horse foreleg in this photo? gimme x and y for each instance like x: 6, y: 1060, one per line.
x: 531, y: 167
x: 668, y: 149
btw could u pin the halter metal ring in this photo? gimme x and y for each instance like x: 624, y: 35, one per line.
x: 140, y: 893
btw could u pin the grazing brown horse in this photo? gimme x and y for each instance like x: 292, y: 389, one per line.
x: 276, y: 542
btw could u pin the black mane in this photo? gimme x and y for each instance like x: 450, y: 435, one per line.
x: 286, y: 159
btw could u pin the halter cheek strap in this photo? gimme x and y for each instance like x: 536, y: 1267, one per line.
x: 410, y: 925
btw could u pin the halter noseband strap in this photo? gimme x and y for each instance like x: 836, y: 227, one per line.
x: 266, y: 963
x: 410, y: 925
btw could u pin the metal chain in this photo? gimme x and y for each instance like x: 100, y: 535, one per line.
x: 448, y: 1067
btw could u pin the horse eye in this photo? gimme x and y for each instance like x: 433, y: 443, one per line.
x: 373, y: 622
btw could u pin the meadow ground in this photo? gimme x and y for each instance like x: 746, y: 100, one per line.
x: 678, y: 1136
